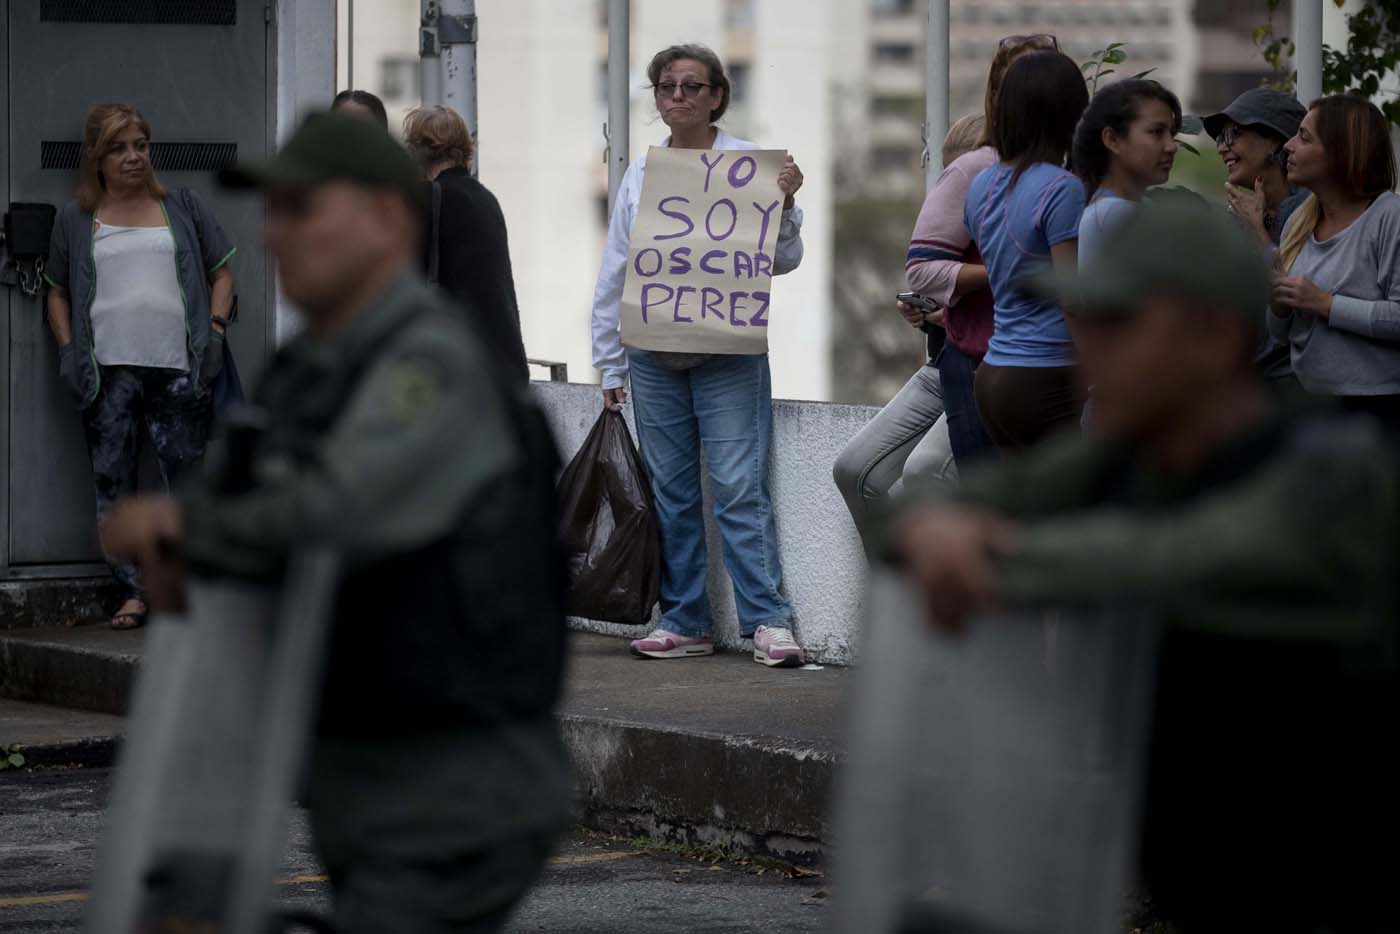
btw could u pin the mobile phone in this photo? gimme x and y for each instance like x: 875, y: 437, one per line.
x: 919, y: 301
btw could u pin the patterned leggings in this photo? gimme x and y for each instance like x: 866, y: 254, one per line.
x: 177, y: 425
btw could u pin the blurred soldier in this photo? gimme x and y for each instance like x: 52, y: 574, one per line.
x: 438, y: 781
x: 1266, y: 540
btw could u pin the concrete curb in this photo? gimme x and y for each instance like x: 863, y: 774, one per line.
x: 66, y: 602
x: 677, y: 783
x: 752, y: 795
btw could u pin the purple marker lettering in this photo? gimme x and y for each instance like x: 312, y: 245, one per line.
x: 760, y: 317
x: 734, y: 309
x: 710, y: 297
x: 705, y: 262
x: 710, y: 167
x: 743, y: 265
x: 762, y: 264
x: 680, y: 264
x: 637, y: 263
x: 734, y: 179
x: 733, y: 219
x: 767, y: 219
x: 647, y: 303
x: 680, y: 300
x: 675, y: 215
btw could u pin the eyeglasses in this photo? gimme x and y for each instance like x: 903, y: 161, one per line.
x: 1041, y: 40
x: 690, y: 89
x: 1231, y: 132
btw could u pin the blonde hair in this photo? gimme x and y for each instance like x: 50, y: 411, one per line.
x: 438, y: 134
x: 1356, y: 138
x: 104, y: 123
x: 963, y: 137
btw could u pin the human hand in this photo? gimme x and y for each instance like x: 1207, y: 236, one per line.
x: 613, y: 399
x: 948, y: 551
x: 912, y: 314
x: 935, y: 318
x: 1302, y: 294
x: 1247, y: 204
x: 149, y: 530
x: 789, y: 180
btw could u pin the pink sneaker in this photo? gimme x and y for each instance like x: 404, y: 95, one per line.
x: 663, y: 644
x: 776, y: 648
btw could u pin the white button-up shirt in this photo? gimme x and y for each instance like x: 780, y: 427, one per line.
x: 609, y: 356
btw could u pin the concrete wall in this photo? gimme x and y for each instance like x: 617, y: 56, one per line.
x: 823, y: 565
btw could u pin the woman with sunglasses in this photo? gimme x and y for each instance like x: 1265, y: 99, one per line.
x: 1337, y: 300
x: 682, y: 401
x: 1023, y: 213
x: 1249, y: 136
x: 932, y: 425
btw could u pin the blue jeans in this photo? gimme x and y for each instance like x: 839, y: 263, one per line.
x: 725, y: 405
x: 965, y: 432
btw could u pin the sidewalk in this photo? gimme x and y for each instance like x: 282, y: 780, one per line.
x: 716, y: 751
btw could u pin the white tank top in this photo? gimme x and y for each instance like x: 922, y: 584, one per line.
x: 138, y: 313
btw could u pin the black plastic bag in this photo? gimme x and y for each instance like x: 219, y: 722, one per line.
x: 608, y: 528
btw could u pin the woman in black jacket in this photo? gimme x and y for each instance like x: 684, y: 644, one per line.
x: 465, y: 232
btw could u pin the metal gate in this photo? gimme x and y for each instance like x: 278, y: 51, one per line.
x: 199, y: 71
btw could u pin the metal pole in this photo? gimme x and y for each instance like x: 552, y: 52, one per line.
x: 616, y: 130
x: 350, y: 44
x: 1307, y: 38
x: 936, y: 89
x: 457, y: 33
x: 429, y: 61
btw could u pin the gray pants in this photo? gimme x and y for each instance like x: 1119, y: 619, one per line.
x: 908, y: 439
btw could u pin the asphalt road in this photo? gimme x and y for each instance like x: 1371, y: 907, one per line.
x: 50, y: 822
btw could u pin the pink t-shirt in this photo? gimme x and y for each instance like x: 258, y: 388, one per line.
x: 942, y: 244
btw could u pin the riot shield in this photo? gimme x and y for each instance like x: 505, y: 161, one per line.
x: 994, y: 779
x: 216, y: 739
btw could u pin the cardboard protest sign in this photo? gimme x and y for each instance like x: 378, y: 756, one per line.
x: 701, y: 259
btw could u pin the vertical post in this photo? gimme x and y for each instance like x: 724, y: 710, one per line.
x: 617, y: 128
x: 1307, y: 38
x: 936, y: 89
x: 457, y: 32
x: 429, y: 60
x: 350, y: 44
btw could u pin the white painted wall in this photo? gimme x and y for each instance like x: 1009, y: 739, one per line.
x: 823, y: 563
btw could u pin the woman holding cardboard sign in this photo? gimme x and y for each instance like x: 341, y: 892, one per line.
x: 681, y: 401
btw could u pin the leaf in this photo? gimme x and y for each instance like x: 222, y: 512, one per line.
x: 1106, y: 72
x: 1188, y: 147
x: 1143, y: 74
x: 1192, y: 124
x: 1114, y: 45
x: 15, y: 759
x: 1115, y: 57
x: 1089, y: 64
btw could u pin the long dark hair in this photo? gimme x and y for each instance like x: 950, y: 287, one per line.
x: 1114, y: 108
x: 1041, y: 100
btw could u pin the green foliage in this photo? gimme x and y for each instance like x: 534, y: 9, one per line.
x: 1372, y: 54
x: 11, y: 758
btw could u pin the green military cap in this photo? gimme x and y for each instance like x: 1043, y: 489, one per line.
x: 1175, y: 246
x: 332, y: 147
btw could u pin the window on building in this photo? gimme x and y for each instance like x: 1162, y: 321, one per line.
x: 896, y: 106
x: 399, y: 78
x: 893, y: 7
x: 894, y: 53
x: 889, y: 158
x: 739, y: 15
x: 740, y: 74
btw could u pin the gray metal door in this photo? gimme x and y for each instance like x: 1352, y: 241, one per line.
x: 199, y: 73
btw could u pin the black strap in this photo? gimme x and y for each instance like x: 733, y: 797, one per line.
x: 433, y: 243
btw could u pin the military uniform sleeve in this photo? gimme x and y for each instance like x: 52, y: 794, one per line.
x: 425, y: 433
x: 1312, y: 535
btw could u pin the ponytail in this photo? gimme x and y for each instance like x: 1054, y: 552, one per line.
x: 1300, y: 227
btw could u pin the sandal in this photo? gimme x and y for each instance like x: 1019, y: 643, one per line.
x: 131, y: 619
